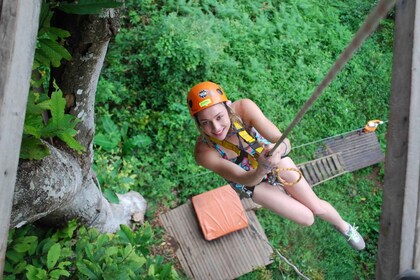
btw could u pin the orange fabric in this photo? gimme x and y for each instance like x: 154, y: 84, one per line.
x: 219, y: 212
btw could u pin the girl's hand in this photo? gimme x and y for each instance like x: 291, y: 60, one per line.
x: 266, y: 162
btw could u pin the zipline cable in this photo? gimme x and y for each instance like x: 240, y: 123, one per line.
x: 370, y: 24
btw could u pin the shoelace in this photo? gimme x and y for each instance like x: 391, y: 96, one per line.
x: 353, y: 233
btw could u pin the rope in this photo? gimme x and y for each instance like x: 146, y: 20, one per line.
x: 365, y: 30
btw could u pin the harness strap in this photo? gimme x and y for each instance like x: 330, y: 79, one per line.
x: 251, y: 141
x: 241, y: 152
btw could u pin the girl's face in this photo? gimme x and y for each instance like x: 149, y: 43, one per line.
x: 215, y: 121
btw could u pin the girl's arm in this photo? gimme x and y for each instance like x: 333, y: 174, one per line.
x: 252, y: 115
x: 209, y: 158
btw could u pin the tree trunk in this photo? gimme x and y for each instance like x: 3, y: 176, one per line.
x: 63, y: 185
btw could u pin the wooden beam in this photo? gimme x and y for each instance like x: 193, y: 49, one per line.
x: 399, y: 239
x: 410, y: 243
x: 18, y: 30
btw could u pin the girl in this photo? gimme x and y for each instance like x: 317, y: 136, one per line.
x: 230, y: 145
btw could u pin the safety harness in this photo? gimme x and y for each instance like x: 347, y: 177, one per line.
x: 274, y: 176
x: 241, y: 151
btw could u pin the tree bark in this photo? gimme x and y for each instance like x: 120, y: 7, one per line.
x: 63, y: 185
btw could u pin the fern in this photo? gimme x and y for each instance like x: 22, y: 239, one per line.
x: 60, y: 125
x: 49, y: 49
x: 85, y: 7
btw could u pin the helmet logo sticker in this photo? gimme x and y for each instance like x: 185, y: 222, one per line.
x: 205, y: 102
x: 202, y: 93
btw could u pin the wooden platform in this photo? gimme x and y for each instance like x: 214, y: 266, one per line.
x: 357, y: 149
x: 322, y: 169
x: 342, y: 154
x: 227, y: 257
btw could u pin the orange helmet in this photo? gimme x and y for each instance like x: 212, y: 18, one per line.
x: 204, y: 95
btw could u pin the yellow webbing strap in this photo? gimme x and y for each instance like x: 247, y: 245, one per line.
x: 248, y: 139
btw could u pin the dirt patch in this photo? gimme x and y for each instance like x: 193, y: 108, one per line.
x: 375, y: 177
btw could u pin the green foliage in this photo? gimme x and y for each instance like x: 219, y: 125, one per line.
x: 115, y: 139
x: 59, y: 125
x: 50, y: 52
x: 49, y: 45
x: 79, y: 253
x: 86, y: 7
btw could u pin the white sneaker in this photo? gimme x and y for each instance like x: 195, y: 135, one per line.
x: 354, y: 238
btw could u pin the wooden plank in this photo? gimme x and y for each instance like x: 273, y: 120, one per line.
x: 312, y: 172
x: 227, y: 257
x: 399, y: 236
x: 306, y: 174
x: 249, y: 204
x: 322, y: 169
x: 337, y: 162
x: 331, y: 165
x: 326, y: 167
x: 316, y: 171
x: 18, y: 29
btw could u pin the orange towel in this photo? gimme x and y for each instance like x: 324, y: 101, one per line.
x: 219, y: 212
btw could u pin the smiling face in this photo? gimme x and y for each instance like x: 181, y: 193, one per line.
x: 215, y: 121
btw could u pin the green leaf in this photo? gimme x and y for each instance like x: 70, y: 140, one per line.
x: 26, y: 244
x: 109, y: 125
x: 93, y: 266
x: 49, y: 52
x: 166, y: 271
x: 34, y: 106
x: 71, y: 142
x: 14, y: 257
x: 56, y: 273
x: 58, y: 104
x: 111, y: 251
x: 141, y: 141
x: 53, y: 255
x: 58, y: 32
x: 33, y: 125
x: 42, y: 58
x: 59, y: 51
x: 86, y: 271
x: 33, y: 148
x: 35, y: 273
x: 102, y: 240
x: 62, y: 265
x: 111, y: 196
x: 109, y: 142
x: 89, y: 252
x: 85, y: 7
x: 126, y: 234
x: 20, y: 267
x: 8, y: 268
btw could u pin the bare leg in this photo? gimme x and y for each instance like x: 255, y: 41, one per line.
x: 276, y: 200
x: 303, y: 193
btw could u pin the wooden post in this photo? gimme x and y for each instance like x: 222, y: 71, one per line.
x: 399, y: 241
x: 18, y: 30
